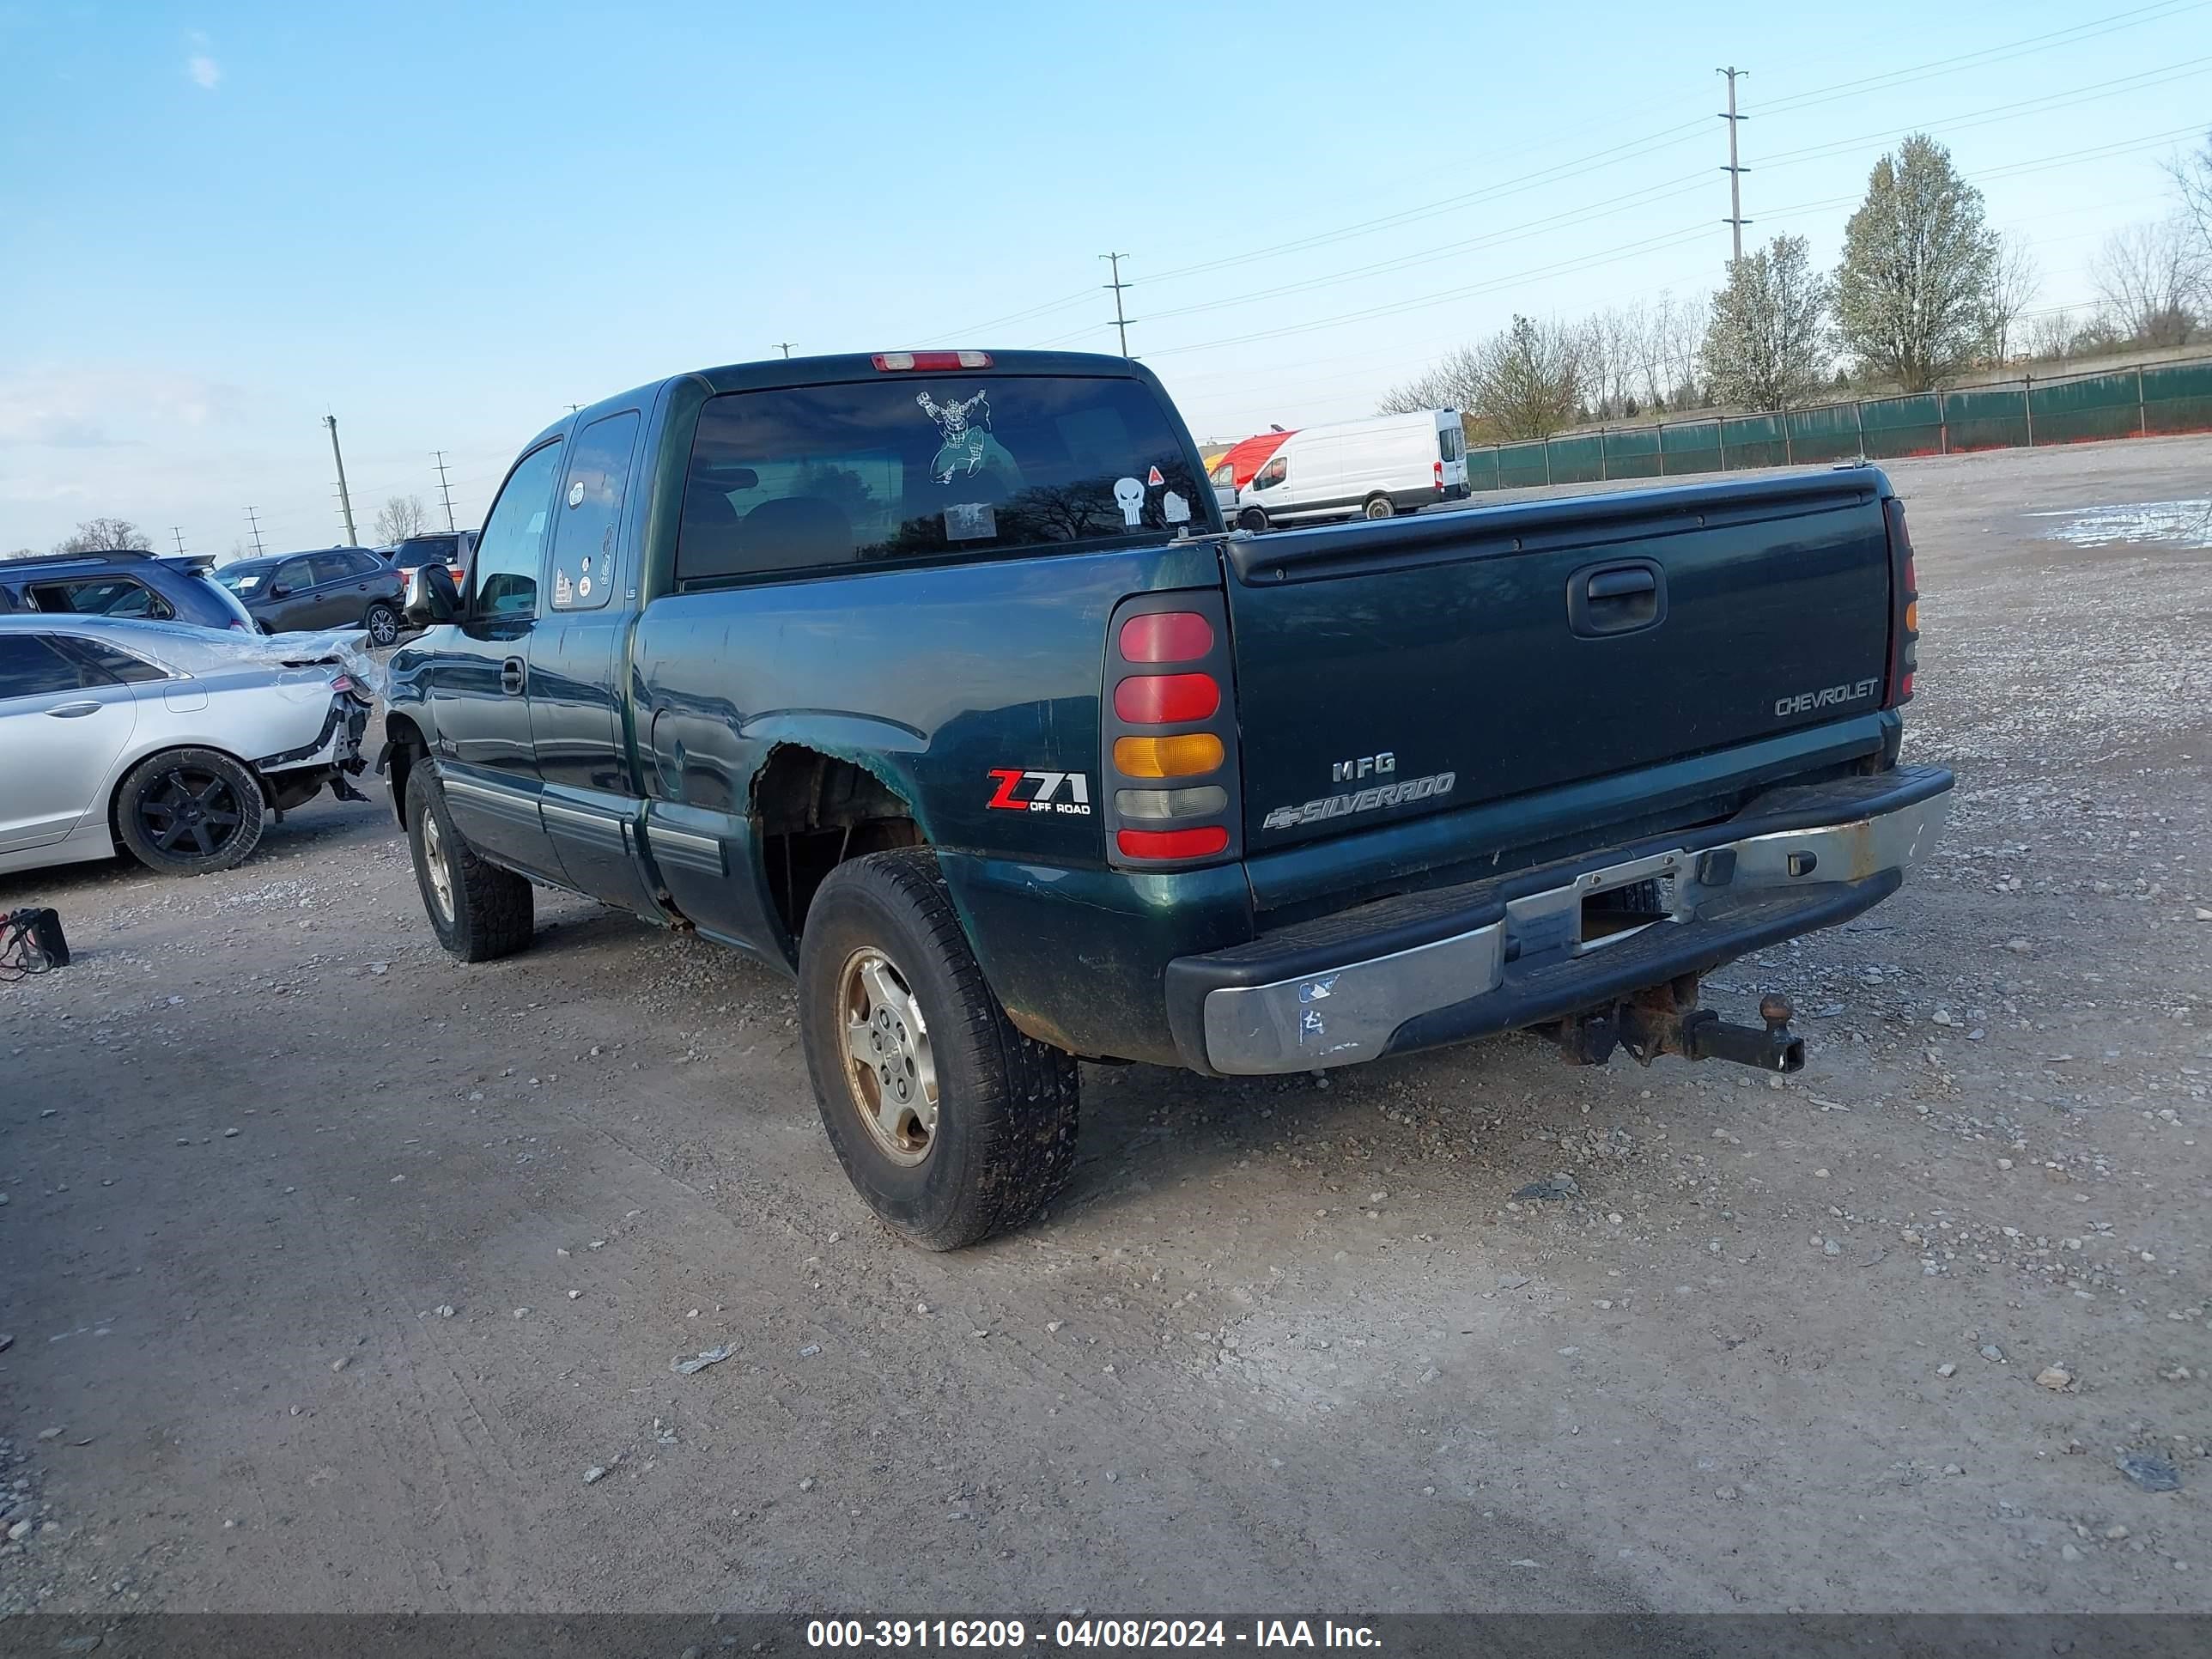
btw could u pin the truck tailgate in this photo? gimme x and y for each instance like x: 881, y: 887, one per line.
x: 1404, y: 667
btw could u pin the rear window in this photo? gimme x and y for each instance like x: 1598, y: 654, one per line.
x: 1451, y: 442
x: 427, y: 549
x: 909, y: 467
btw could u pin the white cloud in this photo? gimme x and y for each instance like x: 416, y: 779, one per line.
x: 204, y: 69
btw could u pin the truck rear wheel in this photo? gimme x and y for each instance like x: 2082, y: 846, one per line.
x: 950, y: 1123
x: 1379, y: 507
x: 479, y: 911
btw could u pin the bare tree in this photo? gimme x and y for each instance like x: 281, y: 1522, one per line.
x: 1615, y: 343
x: 2192, y: 174
x: 1912, y: 291
x: 1450, y: 385
x: 18, y: 553
x: 2153, y: 280
x: 2015, y: 281
x: 400, y: 517
x: 1528, y: 379
x: 1766, y: 346
x: 2050, y: 335
x: 1673, y: 351
x: 103, y: 536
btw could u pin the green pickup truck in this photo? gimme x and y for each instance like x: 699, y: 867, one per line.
x: 934, y: 679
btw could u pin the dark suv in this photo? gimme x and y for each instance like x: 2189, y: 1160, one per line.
x: 133, y: 584
x: 338, y: 588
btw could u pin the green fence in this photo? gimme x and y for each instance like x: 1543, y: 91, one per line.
x: 2129, y: 403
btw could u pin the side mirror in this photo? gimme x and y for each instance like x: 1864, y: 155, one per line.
x: 431, y: 596
x: 278, y: 591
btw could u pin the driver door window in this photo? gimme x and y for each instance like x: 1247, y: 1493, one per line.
x: 1271, y: 474
x: 513, y: 545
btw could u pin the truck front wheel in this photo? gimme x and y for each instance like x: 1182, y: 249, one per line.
x: 950, y: 1123
x: 479, y: 911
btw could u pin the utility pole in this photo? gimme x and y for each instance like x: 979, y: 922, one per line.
x: 254, y: 520
x: 344, y: 500
x: 1120, y: 323
x: 178, y: 530
x: 444, y: 488
x: 785, y: 346
x: 1736, y: 221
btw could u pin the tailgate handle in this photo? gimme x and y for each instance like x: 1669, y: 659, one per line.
x: 1619, y: 584
x: 1616, y: 598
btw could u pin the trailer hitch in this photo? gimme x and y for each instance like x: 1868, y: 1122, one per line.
x: 1665, y: 1019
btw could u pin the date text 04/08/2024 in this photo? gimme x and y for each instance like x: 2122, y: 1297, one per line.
x: 1084, y: 1633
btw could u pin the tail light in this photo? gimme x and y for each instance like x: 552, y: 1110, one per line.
x: 1440, y: 477
x: 1905, y: 607
x: 1170, y: 733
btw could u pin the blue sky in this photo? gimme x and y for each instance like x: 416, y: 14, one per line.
x: 446, y: 223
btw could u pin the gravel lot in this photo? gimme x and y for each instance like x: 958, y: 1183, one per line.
x: 333, y: 1268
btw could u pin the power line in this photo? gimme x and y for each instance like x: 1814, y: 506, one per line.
x: 2008, y: 111
x: 1607, y: 256
x: 1644, y: 196
x: 1121, y: 322
x: 252, y: 519
x: 1736, y: 221
x: 1558, y: 173
x: 178, y: 530
x: 2071, y: 35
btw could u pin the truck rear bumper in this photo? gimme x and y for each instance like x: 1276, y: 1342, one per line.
x: 1440, y: 967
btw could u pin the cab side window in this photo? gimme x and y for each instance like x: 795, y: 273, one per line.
x: 1271, y: 474
x: 588, y: 525
x: 514, y: 542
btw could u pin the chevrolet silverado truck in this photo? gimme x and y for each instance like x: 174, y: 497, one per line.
x: 935, y: 680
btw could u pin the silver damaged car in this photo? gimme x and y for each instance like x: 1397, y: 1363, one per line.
x: 177, y: 743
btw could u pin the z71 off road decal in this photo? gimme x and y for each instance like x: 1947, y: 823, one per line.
x: 1042, y: 791
x: 1367, y: 800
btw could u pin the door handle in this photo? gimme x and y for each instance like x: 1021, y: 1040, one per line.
x: 510, y: 677
x: 70, y: 711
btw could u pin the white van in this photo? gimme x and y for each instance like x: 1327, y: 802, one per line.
x: 1389, y: 465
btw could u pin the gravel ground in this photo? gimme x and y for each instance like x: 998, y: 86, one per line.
x: 341, y: 1277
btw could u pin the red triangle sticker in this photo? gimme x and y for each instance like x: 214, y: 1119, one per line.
x: 1155, y: 478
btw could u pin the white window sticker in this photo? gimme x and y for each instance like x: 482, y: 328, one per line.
x: 963, y: 427
x: 970, y: 521
x: 245, y: 582
x: 564, y: 591
x: 1174, y: 508
x: 1129, y: 496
